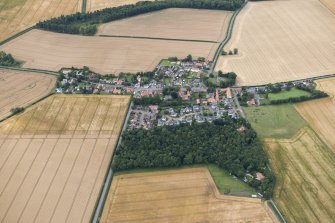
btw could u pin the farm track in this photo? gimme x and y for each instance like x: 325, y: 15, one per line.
x: 51, y: 153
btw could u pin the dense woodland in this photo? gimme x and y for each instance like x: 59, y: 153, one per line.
x: 7, y: 60
x: 86, y: 24
x: 218, y: 142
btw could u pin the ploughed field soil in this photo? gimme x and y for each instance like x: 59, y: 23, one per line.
x: 93, y: 5
x: 281, y: 41
x: 20, y: 89
x: 52, y: 51
x: 184, y: 195
x: 54, y: 156
x: 174, y: 23
x: 320, y: 114
x: 304, y: 168
x: 17, y: 15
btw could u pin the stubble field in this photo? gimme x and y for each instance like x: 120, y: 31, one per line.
x: 329, y: 4
x: 20, y: 89
x: 211, y: 25
x: 320, y: 114
x: 281, y: 41
x: 17, y: 15
x: 54, y: 156
x: 93, y: 5
x: 185, y: 195
x: 304, y: 169
x: 52, y: 51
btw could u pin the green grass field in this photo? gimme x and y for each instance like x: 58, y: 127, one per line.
x: 293, y: 93
x: 225, y: 183
x: 275, y: 121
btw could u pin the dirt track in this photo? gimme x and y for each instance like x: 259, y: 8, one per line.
x: 19, y: 89
x: 281, y: 41
x: 54, y: 156
x: 173, y: 23
x: 187, y: 195
x: 52, y: 51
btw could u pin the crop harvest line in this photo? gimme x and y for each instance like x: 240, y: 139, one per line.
x: 159, y: 38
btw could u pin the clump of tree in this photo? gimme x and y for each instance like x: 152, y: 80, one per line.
x: 218, y: 143
x: 229, y: 79
x: 189, y: 58
x: 85, y: 24
x: 6, y: 59
x: 17, y: 110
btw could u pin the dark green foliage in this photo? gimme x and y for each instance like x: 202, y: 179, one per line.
x: 85, y: 24
x: 230, y: 79
x: 16, y: 110
x: 7, y: 60
x: 173, y: 146
x: 314, y: 95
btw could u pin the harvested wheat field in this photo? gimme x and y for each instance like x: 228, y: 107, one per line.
x: 320, y: 114
x: 184, y: 195
x: 304, y: 168
x: 173, y: 23
x: 93, y: 5
x: 329, y: 4
x: 52, y: 51
x: 54, y: 156
x: 20, y: 89
x: 17, y: 15
x: 281, y: 41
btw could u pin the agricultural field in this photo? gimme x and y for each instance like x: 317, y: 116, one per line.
x: 304, y: 168
x: 281, y: 41
x: 93, y: 5
x: 184, y: 195
x: 52, y: 51
x: 54, y: 157
x: 210, y: 25
x: 329, y: 4
x: 320, y: 114
x: 20, y: 89
x: 275, y: 121
x: 17, y: 15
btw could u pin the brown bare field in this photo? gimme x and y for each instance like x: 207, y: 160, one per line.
x: 20, y: 89
x: 329, y: 4
x: 281, y: 41
x: 304, y: 168
x: 211, y: 25
x: 320, y: 114
x: 93, y: 5
x: 17, y: 15
x: 54, y: 156
x: 52, y: 51
x: 184, y: 195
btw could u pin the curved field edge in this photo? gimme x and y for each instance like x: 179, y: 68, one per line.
x: 189, y: 184
x: 303, y: 166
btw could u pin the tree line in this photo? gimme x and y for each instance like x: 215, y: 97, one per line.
x: 218, y: 143
x: 86, y: 24
x: 315, y: 94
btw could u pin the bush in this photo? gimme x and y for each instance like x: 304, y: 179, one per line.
x: 16, y: 110
x: 7, y: 60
